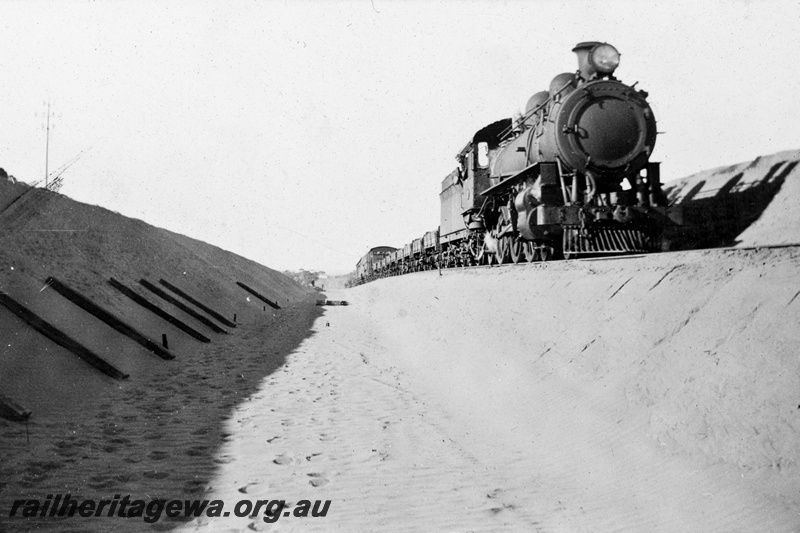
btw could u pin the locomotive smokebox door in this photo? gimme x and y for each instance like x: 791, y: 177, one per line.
x: 605, y: 126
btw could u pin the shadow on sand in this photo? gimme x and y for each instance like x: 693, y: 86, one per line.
x: 716, y: 220
x: 154, y: 437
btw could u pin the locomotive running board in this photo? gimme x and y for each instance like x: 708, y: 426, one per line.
x: 516, y: 178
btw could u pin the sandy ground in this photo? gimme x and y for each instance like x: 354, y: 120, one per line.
x: 657, y: 393
x: 643, y: 394
x: 157, y: 433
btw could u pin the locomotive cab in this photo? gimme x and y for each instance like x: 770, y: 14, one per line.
x: 462, y: 198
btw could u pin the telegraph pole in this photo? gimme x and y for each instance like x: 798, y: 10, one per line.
x: 47, y: 146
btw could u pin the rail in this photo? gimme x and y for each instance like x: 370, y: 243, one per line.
x: 606, y: 258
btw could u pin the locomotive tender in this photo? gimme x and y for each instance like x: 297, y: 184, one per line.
x: 570, y: 177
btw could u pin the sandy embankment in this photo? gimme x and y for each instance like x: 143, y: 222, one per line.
x: 157, y: 433
x: 747, y: 204
x: 45, y: 234
x: 648, y: 394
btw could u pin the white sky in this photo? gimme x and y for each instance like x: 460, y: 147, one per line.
x: 300, y: 134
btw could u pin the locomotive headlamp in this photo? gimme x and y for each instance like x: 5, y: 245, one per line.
x: 604, y: 58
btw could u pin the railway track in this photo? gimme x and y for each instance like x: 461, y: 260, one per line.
x: 610, y: 258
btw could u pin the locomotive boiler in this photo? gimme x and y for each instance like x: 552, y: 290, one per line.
x: 569, y: 177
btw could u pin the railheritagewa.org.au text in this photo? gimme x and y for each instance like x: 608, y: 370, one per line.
x: 150, y: 511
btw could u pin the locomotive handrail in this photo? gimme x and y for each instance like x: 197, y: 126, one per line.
x: 505, y: 133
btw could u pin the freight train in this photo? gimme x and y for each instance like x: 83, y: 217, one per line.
x: 569, y: 177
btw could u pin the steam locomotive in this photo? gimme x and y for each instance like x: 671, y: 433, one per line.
x: 569, y: 177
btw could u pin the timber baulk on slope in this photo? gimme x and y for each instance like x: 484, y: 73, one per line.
x: 571, y: 176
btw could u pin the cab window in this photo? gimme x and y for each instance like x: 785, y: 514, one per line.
x: 483, y: 155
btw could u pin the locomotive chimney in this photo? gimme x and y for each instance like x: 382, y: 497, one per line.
x: 582, y: 51
x: 596, y: 59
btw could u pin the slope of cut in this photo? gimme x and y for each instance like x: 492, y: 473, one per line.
x: 88, y: 244
x: 652, y: 393
x: 45, y: 234
x: 155, y: 434
x: 43, y: 376
x: 748, y: 204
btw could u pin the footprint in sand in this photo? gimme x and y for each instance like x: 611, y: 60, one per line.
x: 317, y: 479
x: 157, y: 455
x: 65, y: 449
x: 283, y: 459
x: 194, y: 486
x: 196, y: 451
x: 155, y: 474
x: 100, y: 482
x: 312, y: 456
x: 496, y: 493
